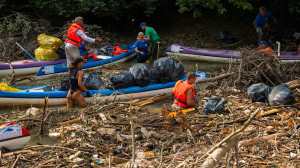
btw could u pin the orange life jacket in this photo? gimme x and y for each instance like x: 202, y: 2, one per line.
x: 72, y: 37
x: 267, y: 50
x: 117, y: 50
x: 179, y: 91
x: 91, y: 57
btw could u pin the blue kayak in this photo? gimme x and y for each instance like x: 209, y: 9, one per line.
x: 35, y: 95
x: 57, y: 69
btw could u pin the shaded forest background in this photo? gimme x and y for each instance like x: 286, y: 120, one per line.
x: 193, y: 23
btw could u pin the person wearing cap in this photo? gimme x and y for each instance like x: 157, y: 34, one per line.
x: 260, y: 22
x: 152, y: 36
x: 75, y: 37
x: 263, y: 47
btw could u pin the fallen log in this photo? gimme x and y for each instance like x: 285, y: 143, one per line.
x: 153, y: 99
x: 214, y: 158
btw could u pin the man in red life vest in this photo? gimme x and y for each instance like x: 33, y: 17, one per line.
x: 184, y: 92
x: 75, y: 36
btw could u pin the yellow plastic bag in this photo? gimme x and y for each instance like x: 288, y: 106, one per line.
x: 49, y: 42
x: 42, y: 54
x: 5, y: 87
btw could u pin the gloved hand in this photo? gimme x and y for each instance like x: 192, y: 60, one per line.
x: 88, y: 94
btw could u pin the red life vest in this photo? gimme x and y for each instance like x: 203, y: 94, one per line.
x: 117, y: 50
x: 72, y: 37
x: 267, y: 50
x: 91, y: 56
x: 179, y: 91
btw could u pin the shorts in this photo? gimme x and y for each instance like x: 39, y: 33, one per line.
x: 260, y: 31
x: 298, y: 42
x: 72, y: 52
x: 153, y: 52
x: 142, y: 60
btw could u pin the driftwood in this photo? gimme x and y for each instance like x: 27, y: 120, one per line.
x: 232, y: 137
x: 12, y: 81
x: 41, y: 131
x: 293, y: 84
x: 214, y: 158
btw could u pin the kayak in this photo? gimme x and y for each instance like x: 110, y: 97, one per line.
x: 216, y: 55
x: 50, y: 71
x: 13, y: 136
x: 25, y: 67
x: 36, y: 95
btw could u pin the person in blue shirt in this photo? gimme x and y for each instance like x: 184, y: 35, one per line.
x: 260, y: 22
x: 142, y: 49
x: 85, y: 49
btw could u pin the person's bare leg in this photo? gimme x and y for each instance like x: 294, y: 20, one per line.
x: 70, y: 101
x: 268, y: 29
x: 79, y: 98
x: 260, y: 38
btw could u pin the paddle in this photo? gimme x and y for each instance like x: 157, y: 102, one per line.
x: 27, y: 52
x: 42, y: 87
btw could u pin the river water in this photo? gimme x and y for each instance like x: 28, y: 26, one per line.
x: 156, y: 107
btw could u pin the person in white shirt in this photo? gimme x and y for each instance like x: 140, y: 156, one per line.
x: 75, y: 36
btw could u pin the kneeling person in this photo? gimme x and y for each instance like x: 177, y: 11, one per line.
x: 184, y: 92
x: 142, y: 49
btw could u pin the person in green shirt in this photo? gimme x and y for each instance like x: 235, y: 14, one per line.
x: 152, y: 36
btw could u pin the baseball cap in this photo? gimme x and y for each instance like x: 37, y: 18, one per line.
x: 263, y: 42
x: 143, y: 24
x: 262, y: 8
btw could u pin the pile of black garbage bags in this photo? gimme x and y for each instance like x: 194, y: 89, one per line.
x: 165, y: 69
x: 276, y: 96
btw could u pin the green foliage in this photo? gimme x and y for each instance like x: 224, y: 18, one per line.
x: 195, y: 6
x: 101, y: 8
x: 2, y: 2
x: 294, y: 6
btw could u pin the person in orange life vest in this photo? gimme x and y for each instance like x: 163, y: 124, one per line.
x: 263, y: 47
x: 184, y: 92
x: 75, y: 36
x: 76, y: 84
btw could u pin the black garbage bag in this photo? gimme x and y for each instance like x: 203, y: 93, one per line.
x: 166, y: 69
x: 153, y: 79
x: 259, y: 92
x: 106, y: 51
x: 178, y: 70
x: 213, y: 105
x: 226, y: 37
x: 61, y: 53
x: 91, y: 82
x: 121, y: 80
x: 281, y: 95
x: 65, y: 84
x: 141, y: 74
